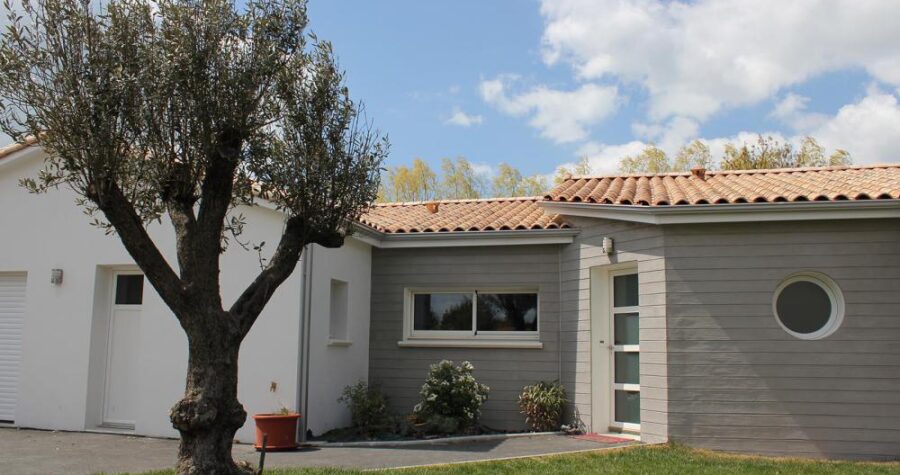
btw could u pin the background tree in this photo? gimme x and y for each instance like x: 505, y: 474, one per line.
x: 582, y: 168
x: 508, y: 181
x: 189, y: 109
x: 651, y: 160
x: 459, y: 180
x: 534, y: 185
x: 767, y: 152
x: 415, y: 183
x: 694, y: 155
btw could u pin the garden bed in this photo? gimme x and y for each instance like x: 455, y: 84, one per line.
x: 397, y: 441
x: 352, y: 435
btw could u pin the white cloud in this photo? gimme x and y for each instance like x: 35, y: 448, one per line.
x: 603, y: 158
x: 790, y: 105
x: 670, y: 136
x: 868, y: 129
x: 484, y: 170
x: 697, y: 58
x: 561, y: 116
x: 462, y: 119
x: 791, y: 110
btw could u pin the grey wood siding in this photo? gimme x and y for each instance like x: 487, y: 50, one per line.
x: 738, y: 382
x: 401, y: 371
x: 643, y: 245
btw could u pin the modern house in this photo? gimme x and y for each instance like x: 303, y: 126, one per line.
x: 753, y: 311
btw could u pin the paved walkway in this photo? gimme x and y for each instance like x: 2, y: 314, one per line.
x: 27, y: 452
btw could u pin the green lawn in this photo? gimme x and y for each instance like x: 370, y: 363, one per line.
x: 633, y: 460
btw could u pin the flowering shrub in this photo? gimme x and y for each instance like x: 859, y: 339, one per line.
x: 451, y: 398
x: 542, y: 404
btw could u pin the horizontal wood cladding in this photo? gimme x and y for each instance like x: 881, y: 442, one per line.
x: 401, y: 371
x: 738, y: 382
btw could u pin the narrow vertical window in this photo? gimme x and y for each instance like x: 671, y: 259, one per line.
x: 338, y: 312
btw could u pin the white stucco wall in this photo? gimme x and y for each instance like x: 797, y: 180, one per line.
x: 332, y: 367
x: 43, y: 232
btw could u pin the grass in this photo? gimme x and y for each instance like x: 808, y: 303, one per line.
x: 631, y: 460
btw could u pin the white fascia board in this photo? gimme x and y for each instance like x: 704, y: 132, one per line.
x: 463, y: 238
x: 478, y: 238
x: 731, y: 213
x: 365, y: 236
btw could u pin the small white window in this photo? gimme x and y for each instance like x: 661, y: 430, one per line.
x: 472, y: 315
x: 338, y: 313
x: 809, y: 305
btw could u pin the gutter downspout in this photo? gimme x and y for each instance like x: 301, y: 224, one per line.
x: 304, y: 339
x: 559, y: 318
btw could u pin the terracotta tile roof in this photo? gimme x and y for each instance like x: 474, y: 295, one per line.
x: 491, y: 214
x: 876, y: 182
x: 15, y: 147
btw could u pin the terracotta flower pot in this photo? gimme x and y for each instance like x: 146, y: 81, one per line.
x: 281, y: 429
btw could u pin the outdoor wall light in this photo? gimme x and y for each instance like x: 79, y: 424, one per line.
x: 56, y: 276
x: 608, y: 247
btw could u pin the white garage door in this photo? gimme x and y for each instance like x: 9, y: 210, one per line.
x: 12, y: 320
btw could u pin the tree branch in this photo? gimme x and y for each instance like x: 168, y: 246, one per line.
x: 216, y: 199
x: 121, y: 214
x: 255, y: 297
x: 295, y: 237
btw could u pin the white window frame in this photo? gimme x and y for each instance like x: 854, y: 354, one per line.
x: 834, y: 295
x: 473, y: 337
x: 341, y: 340
x: 613, y: 310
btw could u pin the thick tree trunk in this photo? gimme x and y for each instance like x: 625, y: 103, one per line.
x: 209, y: 414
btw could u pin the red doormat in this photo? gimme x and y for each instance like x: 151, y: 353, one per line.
x: 603, y: 439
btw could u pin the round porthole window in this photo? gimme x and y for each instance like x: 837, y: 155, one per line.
x: 809, y: 305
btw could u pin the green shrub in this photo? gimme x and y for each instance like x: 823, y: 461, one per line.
x: 368, y: 407
x: 451, y: 398
x: 542, y: 404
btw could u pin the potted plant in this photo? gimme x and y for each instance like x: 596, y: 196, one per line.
x: 280, y: 427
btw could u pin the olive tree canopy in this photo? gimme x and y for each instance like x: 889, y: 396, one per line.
x: 185, y: 109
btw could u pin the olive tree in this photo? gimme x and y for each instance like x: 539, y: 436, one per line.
x: 183, y: 110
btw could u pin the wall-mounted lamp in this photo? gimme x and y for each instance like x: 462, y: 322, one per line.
x: 56, y: 276
x: 608, y: 247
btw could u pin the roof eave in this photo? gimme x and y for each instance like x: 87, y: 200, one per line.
x: 730, y: 213
x: 383, y: 240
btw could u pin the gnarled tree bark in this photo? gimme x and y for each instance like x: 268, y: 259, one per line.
x: 209, y: 414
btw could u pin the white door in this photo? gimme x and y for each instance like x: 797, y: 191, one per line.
x: 120, y: 398
x: 615, y: 349
x: 12, y: 321
x: 626, y: 390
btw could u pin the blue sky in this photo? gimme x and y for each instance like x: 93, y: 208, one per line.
x: 414, y: 62
x: 539, y: 83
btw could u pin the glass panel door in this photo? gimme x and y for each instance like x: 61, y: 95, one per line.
x: 626, y: 351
